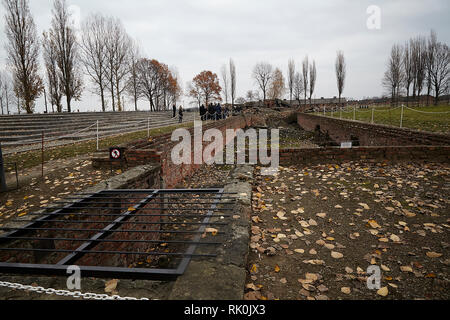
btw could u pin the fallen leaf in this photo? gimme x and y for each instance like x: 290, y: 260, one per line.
x: 346, y: 290
x: 406, y: 269
x: 364, y: 205
x: 321, y: 215
x: 374, y: 224
x: 432, y: 254
x: 111, y: 285
x: 383, y: 291
x: 280, y: 214
x: 385, y: 268
x: 336, y: 255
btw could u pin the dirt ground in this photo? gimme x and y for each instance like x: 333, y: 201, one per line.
x: 315, y: 231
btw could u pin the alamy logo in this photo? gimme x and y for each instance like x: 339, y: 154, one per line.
x: 74, y: 280
x: 374, y: 20
x: 374, y: 280
x: 235, y: 153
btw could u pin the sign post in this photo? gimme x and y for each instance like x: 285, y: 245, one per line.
x: 3, y: 187
x: 401, y: 118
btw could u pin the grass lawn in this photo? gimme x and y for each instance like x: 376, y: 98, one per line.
x: 33, y: 158
x: 434, y: 122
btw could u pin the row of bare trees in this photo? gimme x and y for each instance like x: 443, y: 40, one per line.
x: 228, y: 77
x: 103, y: 51
x: 113, y: 62
x: 420, y: 64
x: 272, y: 83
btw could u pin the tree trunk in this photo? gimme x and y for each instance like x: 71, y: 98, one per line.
x: 102, y: 96
x: 68, y: 104
x: 407, y: 97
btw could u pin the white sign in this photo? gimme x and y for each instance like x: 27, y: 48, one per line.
x: 346, y: 145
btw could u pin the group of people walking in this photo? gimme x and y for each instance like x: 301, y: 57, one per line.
x: 213, y: 112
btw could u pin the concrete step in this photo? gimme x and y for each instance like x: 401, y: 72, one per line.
x: 17, y: 140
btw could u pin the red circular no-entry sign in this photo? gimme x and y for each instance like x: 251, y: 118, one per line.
x: 115, y: 153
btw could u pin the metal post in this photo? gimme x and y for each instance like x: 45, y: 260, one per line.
x: 354, y: 113
x: 148, y: 127
x: 42, y: 154
x: 372, y: 115
x: 97, y: 135
x: 17, y: 175
x: 323, y: 110
x: 340, y: 113
x: 3, y: 187
x: 401, y: 118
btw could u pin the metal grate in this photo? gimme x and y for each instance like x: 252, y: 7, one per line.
x: 147, y: 234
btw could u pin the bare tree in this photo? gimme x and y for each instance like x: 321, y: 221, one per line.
x: 226, y: 82
x: 440, y: 70
x: 193, y: 91
x: 132, y: 84
x: 1, y: 94
x: 394, y: 76
x: 250, y: 96
x: 277, y: 85
x: 53, y: 82
x: 305, y: 75
x: 23, y: 52
x: 63, y: 35
x: 8, y: 93
x: 93, y: 47
x: 154, y: 81
x: 298, y: 87
x: 419, y: 53
x: 262, y: 73
x: 340, y: 67
x: 174, y: 86
x: 232, y: 81
x: 408, y: 68
x: 117, y: 66
x: 312, y: 80
x: 291, y: 77
x: 430, y: 55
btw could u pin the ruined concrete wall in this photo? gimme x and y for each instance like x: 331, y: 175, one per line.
x: 365, y: 154
x: 369, y: 134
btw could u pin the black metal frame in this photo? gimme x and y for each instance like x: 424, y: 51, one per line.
x: 83, y: 202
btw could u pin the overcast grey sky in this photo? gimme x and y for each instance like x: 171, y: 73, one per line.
x: 197, y: 35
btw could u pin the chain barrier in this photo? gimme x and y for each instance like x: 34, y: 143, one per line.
x: 427, y: 111
x: 66, y: 293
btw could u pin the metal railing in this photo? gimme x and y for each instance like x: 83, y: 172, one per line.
x: 170, y: 223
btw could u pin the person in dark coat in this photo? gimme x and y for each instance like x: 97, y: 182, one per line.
x: 202, y: 112
x: 218, y: 112
x: 180, y: 114
x: 210, y: 112
x: 174, y: 108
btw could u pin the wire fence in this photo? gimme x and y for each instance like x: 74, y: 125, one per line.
x: 402, y: 116
x: 95, y: 131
